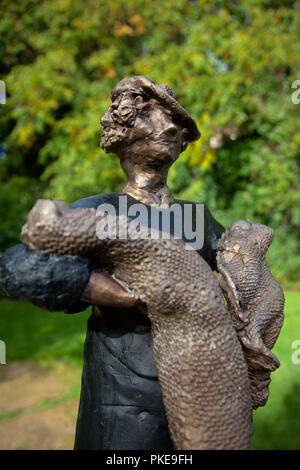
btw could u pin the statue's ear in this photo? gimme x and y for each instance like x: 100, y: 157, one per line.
x: 184, y: 146
x: 185, y: 140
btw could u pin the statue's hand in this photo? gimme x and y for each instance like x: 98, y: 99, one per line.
x: 104, y: 290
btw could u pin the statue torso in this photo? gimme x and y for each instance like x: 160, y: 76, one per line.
x: 121, y: 404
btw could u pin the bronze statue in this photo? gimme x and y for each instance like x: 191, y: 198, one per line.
x: 202, y: 365
x: 254, y: 298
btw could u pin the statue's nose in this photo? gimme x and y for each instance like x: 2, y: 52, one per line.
x: 171, y: 131
x: 169, y: 128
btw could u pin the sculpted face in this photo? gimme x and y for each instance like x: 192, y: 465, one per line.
x: 142, y: 131
x: 156, y: 139
x: 148, y: 129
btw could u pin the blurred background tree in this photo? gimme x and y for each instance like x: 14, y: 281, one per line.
x: 230, y: 63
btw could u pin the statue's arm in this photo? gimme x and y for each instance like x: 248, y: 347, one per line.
x: 54, y: 283
x: 58, y: 283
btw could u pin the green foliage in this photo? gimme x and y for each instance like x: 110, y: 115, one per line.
x: 15, y: 200
x: 231, y: 64
x: 277, y: 424
x: 42, y: 336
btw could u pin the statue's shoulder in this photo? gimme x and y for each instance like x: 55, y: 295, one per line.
x: 92, y: 202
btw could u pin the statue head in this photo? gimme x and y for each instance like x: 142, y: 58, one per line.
x: 145, y: 124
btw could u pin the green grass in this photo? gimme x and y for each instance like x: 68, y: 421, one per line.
x: 46, y: 337
x: 277, y: 424
x: 71, y: 393
x: 32, y: 334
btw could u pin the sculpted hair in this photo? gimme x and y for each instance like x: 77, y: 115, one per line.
x: 117, y: 123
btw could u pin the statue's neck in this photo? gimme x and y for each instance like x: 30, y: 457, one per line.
x: 147, y: 184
